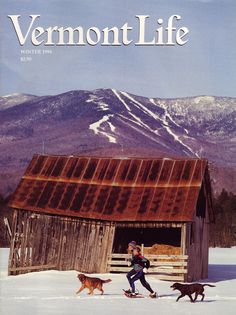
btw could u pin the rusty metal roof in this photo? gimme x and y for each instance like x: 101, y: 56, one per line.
x: 114, y: 189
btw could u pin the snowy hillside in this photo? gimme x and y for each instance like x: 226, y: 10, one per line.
x: 53, y: 292
x: 108, y: 119
x: 14, y: 99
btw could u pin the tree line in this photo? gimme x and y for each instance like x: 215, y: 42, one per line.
x: 223, y: 230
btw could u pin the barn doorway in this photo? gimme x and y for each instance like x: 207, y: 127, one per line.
x: 146, y: 236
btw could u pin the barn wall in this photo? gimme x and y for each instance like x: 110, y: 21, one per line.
x: 197, y: 242
x: 42, y: 242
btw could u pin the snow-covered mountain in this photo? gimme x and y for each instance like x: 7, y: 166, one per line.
x: 108, y: 121
x: 14, y: 99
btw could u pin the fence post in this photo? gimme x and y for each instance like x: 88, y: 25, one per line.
x: 142, y: 249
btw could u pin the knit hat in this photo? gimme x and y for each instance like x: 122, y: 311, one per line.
x: 132, y: 243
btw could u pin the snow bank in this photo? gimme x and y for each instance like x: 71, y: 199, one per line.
x: 53, y: 292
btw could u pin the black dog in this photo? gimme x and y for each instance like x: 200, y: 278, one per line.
x: 189, y: 289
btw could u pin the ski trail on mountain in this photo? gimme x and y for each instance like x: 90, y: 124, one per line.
x: 137, y: 120
x: 151, y: 114
x: 120, y: 99
x: 139, y: 105
x: 164, y: 106
x: 168, y: 129
x: 97, y: 126
x: 126, y: 121
x: 164, y: 120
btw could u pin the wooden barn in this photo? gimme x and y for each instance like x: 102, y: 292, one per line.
x: 74, y: 212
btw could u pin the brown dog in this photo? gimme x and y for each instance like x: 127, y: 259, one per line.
x: 91, y: 283
x: 189, y: 289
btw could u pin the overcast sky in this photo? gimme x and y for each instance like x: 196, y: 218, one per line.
x: 206, y: 65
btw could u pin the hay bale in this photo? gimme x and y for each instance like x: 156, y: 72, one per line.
x: 162, y: 249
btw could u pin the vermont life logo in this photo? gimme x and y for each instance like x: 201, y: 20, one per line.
x: 166, y: 34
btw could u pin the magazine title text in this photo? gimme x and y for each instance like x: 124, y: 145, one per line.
x: 166, y: 34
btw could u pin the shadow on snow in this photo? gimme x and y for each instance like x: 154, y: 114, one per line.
x: 217, y: 273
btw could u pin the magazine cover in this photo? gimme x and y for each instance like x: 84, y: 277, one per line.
x: 118, y: 157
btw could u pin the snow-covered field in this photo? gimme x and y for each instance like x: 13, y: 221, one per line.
x: 53, y: 292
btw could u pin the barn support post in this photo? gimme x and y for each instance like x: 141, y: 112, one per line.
x: 183, y: 238
x: 183, y: 244
x: 205, y: 236
x: 142, y: 249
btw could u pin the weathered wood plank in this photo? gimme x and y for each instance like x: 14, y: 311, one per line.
x: 75, y: 244
x: 60, y: 245
x: 109, y: 249
x: 158, y: 257
x: 167, y: 270
x: 114, y: 255
x: 149, y: 224
x: 152, y: 270
x: 12, y: 260
x: 153, y: 263
x: 110, y: 244
x: 9, y: 232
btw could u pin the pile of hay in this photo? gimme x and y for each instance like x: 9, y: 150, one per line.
x: 161, y: 249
